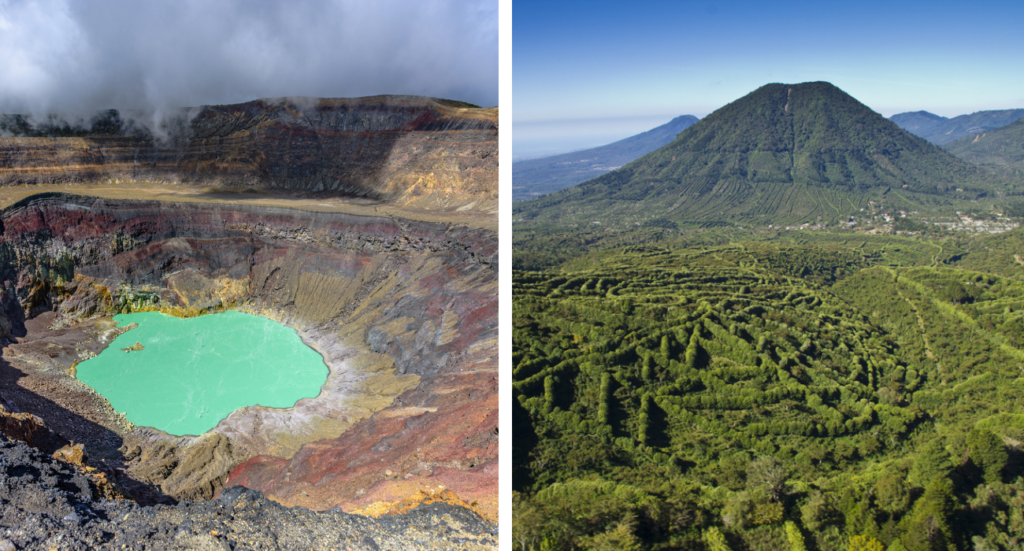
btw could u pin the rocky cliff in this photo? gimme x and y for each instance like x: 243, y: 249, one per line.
x: 422, y: 152
x: 403, y: 312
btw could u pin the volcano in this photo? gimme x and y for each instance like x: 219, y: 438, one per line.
x: 784, y: 153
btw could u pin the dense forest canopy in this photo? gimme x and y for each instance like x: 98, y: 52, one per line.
x: 813, y: 390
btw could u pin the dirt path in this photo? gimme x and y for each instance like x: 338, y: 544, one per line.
x: 162, y: 191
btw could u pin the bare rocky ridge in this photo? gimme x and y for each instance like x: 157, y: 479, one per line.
x: 412, y: 151
x: 49, y: 504
x: 404, y: 313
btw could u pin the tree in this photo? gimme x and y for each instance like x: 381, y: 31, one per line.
x: 896, y: 545
x: 819, y: 511
x: 767, y: 474
x: 602, y: 408
x: 892, y: 493
x: 865, y: 543
x: 643, y: 424
x: 525, y: 521
x: 549, y: 394
x: 860, y: 519
x: 715, y: 540
x: 954, y: 292
x: 618, y: 537
x: 927, y: 527
x: 796, y: 539
x: 648, y: 367
x: 932, y: 461
x: 572, y: 514
x: 988, y: 452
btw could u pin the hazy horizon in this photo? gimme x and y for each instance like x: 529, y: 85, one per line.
x: 544, y: 138
x: 533, y: 139
x: 601, y: 59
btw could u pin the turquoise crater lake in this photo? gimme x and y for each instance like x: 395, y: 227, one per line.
x: 193, y: 372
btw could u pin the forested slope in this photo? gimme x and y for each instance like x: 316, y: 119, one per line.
x: 1001, y: 147
x: 825, y: 392
x: 783, y: 154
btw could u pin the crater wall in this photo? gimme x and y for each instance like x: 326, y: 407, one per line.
x: 403, y: 312
x: 415, y: 151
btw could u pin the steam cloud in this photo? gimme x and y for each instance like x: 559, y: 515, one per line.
x: 74, y: 57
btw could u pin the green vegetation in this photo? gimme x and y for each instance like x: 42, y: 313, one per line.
x: 776, y: 332
x: 729, y: 389
x: 1001, y: 147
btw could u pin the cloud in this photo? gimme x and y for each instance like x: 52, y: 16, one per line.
x: 73, y: 57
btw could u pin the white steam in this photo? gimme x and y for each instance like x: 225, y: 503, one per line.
x: 74, y: 57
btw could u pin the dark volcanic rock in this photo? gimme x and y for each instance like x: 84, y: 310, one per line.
x: 48, y: 504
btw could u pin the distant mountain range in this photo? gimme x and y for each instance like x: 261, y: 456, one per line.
x: 535, y: 177
x: 1001, y: 147
x: 785, y: 153
x: 942, y: 130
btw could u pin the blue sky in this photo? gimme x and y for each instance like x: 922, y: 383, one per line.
x: 638, y: 64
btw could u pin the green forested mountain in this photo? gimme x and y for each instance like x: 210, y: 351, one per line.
x: 689, y: 375
x: 782, y: 154
x: 535, y: 177
x: 942, y: 130
x: 818, y: 391
x: 1002, y: 147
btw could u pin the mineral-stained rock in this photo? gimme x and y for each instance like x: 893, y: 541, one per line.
x: 424, y: 450
x: 117, y: 331
x: 72, y: 453
x: 21, y: 426
x: 134, y: 348
x: 405, y: 150
x: 403, y: 312
x: 427, y: 497
x: 101, y: 483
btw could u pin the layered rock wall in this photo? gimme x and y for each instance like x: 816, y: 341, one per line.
x: 404, y: 313
x: 405, y: 150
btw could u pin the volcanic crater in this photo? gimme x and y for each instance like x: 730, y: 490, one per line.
x: 402, y: 309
